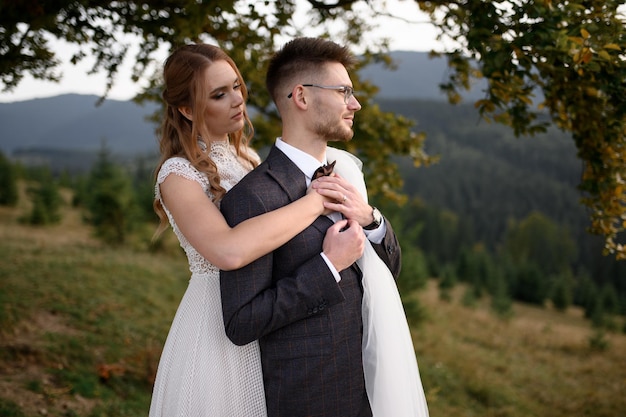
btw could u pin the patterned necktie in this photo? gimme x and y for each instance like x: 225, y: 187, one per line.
x: 324, y: 170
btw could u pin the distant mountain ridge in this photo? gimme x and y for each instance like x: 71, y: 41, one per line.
x: 74, y: 121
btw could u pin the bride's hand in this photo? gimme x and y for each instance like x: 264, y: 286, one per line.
x: 312, y: 193
x: 344, y: 198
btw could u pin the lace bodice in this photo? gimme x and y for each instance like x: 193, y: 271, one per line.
x: 231, y: 170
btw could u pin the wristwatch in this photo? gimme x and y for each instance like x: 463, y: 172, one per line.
x: 378, y: 219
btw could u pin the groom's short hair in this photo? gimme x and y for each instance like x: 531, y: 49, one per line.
x: 301, y: 60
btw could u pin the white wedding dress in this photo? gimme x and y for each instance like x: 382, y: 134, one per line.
x: 392, y: 378
x: 201, y: 372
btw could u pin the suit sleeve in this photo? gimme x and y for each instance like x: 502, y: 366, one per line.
x: 256, y: 300
x: 389, y: 250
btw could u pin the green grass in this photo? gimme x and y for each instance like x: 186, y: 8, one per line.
x: 9, y: 408
x: 537, y: 362
x: 82, y: 327
x: 82, y: 324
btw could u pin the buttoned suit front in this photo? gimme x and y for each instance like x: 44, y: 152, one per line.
x: 309, y: 326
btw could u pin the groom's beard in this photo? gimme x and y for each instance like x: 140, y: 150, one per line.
x: 332, y: 128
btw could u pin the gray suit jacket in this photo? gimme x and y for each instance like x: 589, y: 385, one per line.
x: 309, y: 326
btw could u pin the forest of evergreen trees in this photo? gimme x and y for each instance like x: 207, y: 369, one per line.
x: 497, y: 212
x: 504, y: 213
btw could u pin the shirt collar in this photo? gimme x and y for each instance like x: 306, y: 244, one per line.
x: 305, y: 162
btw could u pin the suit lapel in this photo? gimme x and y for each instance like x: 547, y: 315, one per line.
x: 286, y: 174
x: 291, y: 180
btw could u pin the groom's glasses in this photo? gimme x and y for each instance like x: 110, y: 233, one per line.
x: 345, y: 89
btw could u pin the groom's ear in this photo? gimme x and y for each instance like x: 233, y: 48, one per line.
x: 186, y: 112
x: 300, y: 98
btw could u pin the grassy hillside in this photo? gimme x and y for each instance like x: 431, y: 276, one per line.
x: 82, y: 326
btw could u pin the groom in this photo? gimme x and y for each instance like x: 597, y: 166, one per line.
x: 303, y: 301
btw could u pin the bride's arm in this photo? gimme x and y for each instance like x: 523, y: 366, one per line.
x: 201, y: 222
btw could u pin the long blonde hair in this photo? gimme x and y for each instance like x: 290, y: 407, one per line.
x: 183, y: 77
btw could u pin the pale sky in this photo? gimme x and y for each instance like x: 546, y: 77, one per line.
x: 404, y: 36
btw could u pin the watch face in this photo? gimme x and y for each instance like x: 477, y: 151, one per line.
x: 377, y: 216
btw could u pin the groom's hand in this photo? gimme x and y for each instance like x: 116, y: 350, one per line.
x: 344, y: 243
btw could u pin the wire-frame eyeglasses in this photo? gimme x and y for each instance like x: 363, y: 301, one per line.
x: 345, y: 89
